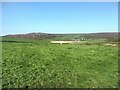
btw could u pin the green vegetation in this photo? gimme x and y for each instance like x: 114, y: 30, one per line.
x: 68, y: 37
x: 38, y: 64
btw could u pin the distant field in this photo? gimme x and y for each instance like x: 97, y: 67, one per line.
x: 37, y: 64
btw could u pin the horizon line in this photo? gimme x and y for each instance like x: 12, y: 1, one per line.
x: 59, y: 33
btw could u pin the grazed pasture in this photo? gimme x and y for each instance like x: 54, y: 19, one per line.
x: 40, y: 64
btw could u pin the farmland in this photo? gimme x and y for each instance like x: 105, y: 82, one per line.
x: 35, y: 63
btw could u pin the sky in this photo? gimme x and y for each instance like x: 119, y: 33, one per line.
x: 59, y: 17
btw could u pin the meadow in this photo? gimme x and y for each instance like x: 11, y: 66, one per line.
x: 40, y: 64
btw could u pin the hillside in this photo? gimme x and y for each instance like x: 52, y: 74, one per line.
x: 90, y: 36
x: 35, y: 63
x: 33, y: 36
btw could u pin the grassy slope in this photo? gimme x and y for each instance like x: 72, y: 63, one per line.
x: 40, y: 64
x: 67, y: 37
x: 108, y: 36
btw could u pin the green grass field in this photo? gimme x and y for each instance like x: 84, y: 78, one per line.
x: 39, y: 64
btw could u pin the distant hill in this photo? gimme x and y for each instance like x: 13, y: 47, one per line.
x: 40, y: 36
x: 33, y: 36
x: 108, y: 36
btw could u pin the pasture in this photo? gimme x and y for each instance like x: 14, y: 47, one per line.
x: 40, y: 64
